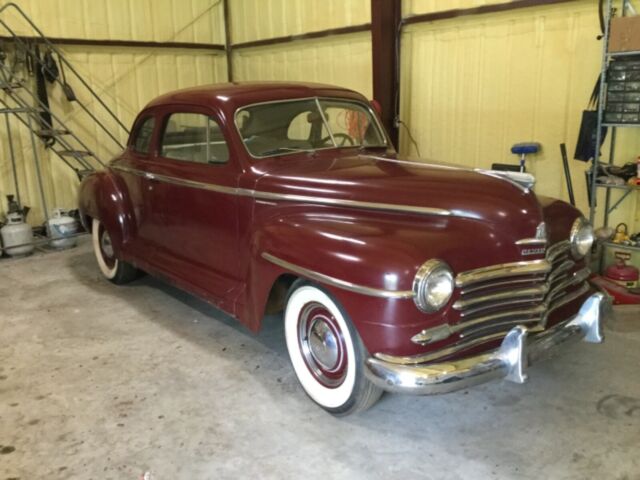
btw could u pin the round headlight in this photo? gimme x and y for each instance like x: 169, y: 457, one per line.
x: 581, y: 237
x: 432, y: 286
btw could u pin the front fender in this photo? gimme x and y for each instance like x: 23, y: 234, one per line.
x: 378, y: 250
x: 104, y: 196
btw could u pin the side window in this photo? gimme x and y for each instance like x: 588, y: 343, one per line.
x: 142, y: 141
x: 193, y: 137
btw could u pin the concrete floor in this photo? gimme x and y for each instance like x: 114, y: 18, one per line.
x: 106, y: 382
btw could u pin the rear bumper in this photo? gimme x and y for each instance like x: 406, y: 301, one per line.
x: 510, y: 361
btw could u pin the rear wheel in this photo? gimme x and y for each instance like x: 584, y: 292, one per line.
x: 116, y: 271
x: 326, y: 352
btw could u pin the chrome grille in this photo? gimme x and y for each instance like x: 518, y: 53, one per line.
x: 494, y: 299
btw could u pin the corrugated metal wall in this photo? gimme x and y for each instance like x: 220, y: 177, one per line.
x: 260, y: 19
x: 126, y: 77
x: 343, y: 60
x: 473, y: 86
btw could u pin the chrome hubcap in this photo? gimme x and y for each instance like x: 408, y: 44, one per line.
x: 105, y: 244
x: 322, y: 345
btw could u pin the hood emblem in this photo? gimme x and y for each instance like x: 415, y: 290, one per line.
x: 541, y: 232
x: 535, y: 245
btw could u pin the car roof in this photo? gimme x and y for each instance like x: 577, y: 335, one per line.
x: 237, y: 94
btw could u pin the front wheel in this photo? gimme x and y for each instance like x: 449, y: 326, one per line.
x: 116, y: 271
x: 326, y: 352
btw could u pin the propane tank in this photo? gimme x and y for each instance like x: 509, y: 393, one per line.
x: 17, y: 236
x: 62, y: 228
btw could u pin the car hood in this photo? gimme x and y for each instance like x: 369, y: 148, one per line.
x: 351, y: 180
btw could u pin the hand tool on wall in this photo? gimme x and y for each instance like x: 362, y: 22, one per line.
x: 567, y: 173
x: 66, y: 88
x: 13, y: 159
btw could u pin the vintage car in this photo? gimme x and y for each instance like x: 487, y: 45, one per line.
x: 393, y: 275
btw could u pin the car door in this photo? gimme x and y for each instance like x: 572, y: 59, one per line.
x: 193, y: 181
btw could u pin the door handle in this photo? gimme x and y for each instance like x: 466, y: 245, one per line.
x: 151, y: 176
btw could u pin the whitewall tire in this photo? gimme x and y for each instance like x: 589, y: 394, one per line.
x: 113, y: 269
x: 326, y: 351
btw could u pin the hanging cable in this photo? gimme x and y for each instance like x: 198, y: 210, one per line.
x: 413, y: 141
x: 396, y: 105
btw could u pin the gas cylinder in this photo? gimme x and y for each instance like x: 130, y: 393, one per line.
x: 17, y: 236
x: 623, y: 274
x: 62, y: 228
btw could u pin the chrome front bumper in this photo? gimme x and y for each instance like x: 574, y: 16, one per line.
x: 510, y: 361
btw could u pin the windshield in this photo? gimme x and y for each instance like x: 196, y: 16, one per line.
x: 279, y: 128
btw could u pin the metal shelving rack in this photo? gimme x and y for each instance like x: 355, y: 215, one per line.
x: 606, y: 58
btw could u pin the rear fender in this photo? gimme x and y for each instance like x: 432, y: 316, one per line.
x: 104, y: 196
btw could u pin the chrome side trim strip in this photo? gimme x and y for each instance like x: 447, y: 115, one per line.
x: 261, y: 195
x: 336, y: 282
x: 502, y: 270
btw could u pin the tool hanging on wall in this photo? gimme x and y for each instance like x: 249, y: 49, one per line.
x: 567, y: 173
x: 586, y: 144
x: 50, y: 67
x: 46, y: 121
x: 12, y: 157
x: 66, y: 88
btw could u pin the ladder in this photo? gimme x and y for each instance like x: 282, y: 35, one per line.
x: 21, y: 101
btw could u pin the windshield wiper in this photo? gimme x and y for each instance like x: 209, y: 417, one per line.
x: 283, y: 150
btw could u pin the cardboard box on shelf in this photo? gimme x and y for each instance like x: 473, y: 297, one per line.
x: 625, y: 34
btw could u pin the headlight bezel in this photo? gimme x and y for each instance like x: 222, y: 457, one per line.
x: 580, y: 227
x: 426, y: 275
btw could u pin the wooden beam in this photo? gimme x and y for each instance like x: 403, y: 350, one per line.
x: 484, y: 9
x: 90, y: 42
x: 304, y: 36
x: 386, y: 16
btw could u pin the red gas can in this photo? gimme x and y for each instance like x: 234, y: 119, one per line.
x: 623, y: 274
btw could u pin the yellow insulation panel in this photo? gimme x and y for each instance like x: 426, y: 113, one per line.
x: 261, y: 19
x: 473, y: 86
x: 344, y: 60
x: 198, y: 21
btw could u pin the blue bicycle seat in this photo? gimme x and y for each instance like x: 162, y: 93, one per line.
x: 525, y: 148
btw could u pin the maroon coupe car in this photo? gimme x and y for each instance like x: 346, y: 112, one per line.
x: 393, y: 275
